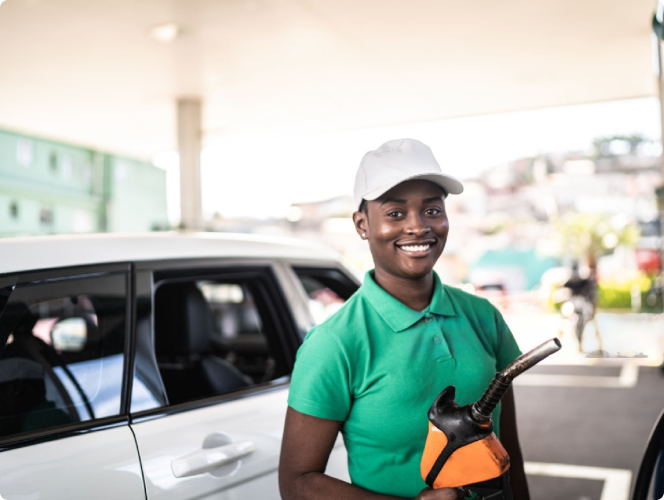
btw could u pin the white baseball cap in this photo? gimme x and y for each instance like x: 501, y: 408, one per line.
x: 395, y: 162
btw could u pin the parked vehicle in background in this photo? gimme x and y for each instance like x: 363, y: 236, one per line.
x: 649, y: 483
x: 154, y: 366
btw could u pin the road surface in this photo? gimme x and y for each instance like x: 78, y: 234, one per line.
x: 583, y: 422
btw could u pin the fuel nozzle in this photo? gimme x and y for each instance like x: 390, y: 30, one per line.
x: 482, y: 410
x: 461, y: 448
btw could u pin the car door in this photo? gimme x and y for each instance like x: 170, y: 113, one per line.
x: 64, y: 430
x: 224, y: 343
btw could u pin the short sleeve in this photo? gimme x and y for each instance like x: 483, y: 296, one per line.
x: 320, y: 382
x: 507, y: 348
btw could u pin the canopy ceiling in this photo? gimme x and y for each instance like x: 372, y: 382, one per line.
x: 87, y: 71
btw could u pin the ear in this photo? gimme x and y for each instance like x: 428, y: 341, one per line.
x: 361, y: 225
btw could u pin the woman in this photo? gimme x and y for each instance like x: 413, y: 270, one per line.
x: 372, y: 370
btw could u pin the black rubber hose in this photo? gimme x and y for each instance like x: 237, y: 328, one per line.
x: 482, y: 410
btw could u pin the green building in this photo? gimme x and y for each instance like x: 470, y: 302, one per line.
x: 47, y: 187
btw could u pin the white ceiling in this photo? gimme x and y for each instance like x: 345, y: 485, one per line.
x: 86, y: 71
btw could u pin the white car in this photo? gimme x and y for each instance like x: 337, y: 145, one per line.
x: 154, y: 366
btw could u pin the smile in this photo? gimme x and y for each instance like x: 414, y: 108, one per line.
x: 415, y: 248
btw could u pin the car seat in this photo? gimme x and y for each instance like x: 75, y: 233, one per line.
x: 183, y: 328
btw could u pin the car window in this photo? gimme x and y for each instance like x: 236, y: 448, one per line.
x: 237, y: 334
x: 327, y: 290
x: 62, y: 353
x: 323, y: 301
x: 215, y: 336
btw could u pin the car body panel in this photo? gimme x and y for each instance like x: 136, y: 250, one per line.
x: 102, y: 465
x: 47, y: 252
x: 258, y: 418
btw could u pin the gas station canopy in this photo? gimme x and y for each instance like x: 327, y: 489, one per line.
x: 108, y: 73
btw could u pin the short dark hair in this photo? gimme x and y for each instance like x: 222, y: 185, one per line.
x: 363, y: 207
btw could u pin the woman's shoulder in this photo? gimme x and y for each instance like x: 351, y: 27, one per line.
x: 346, y: 323
x: 469, y: 303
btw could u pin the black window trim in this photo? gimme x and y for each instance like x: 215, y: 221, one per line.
x: 7, y: 286
x: 329, y: 273
x: 61, y: 432
x: 30, y: 278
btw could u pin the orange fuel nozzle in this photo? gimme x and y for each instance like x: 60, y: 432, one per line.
x: 461, y: 449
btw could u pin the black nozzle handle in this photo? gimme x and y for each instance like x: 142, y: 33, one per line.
x: 482, y: 410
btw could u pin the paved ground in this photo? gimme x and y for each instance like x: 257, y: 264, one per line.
x: 584, y: 422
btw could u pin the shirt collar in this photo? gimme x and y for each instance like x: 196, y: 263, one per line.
x: 398, y: 315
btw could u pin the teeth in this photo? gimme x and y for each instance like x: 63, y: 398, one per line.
x: 415, y: 248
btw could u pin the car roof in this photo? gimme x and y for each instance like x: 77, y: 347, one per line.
x: 47, y: 252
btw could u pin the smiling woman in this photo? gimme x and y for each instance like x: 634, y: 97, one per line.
x: 407, y: 230
x: 372, y: 370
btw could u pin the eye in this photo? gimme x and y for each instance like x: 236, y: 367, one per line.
x: 394, y: 214
x: 432, y: 211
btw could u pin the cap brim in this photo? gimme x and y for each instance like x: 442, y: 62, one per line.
x: 447, y: 182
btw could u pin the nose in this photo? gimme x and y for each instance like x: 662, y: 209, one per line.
x: 417, y: 225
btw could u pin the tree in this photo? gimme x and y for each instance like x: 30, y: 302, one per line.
x: 589, y: 236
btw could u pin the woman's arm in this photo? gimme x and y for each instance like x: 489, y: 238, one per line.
x: 510, y: 439
x: 305, y: 449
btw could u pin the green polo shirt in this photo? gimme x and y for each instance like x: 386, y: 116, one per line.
x: 377, y: 365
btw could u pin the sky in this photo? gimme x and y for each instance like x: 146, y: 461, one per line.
x: 262, y: 177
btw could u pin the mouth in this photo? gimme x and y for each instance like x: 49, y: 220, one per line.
x: 416, y: 249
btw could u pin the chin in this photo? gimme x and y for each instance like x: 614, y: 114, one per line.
x: 416, y: 273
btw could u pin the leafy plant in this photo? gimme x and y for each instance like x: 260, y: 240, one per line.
x: 589, y: 236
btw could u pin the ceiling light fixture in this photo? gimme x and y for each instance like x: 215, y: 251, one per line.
x: 164, y: 33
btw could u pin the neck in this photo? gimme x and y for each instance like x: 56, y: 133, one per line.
x: 414, y: 293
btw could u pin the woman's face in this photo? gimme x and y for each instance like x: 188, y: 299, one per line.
x: 406, y: 228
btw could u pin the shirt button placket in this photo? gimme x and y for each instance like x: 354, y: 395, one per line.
x: 440, y: 351
x: 431, y: 329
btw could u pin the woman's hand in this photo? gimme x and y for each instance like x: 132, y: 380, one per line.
x: 305, y: 450
x: 441, y: 494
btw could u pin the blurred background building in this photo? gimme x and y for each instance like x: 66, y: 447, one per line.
x: 48, y: 187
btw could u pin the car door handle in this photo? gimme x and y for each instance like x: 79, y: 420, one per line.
x: 201, y: 461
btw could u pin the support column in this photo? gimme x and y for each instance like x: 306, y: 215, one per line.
x: 189, y: 146
x: 657, y: 37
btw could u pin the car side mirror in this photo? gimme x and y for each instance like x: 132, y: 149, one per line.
x: 69, y: 334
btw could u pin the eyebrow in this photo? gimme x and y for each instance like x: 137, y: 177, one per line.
x: 433, y: 198
x: 403, y: 202
x: 394, y: 200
